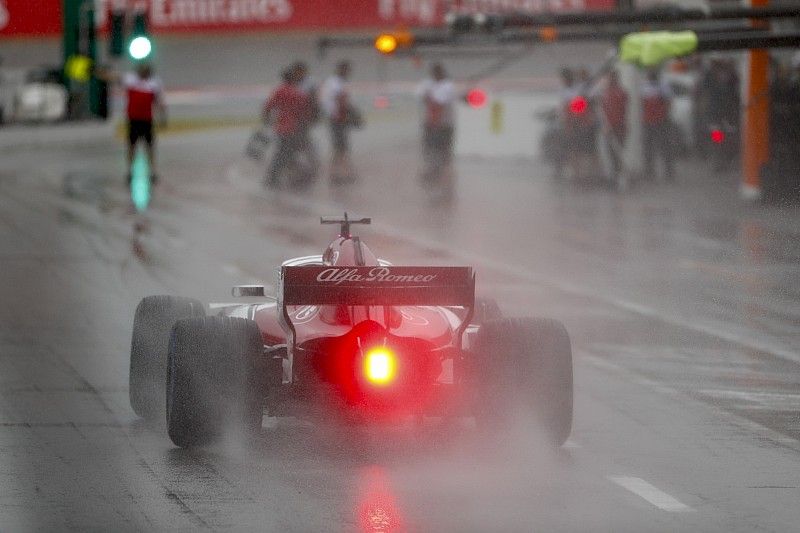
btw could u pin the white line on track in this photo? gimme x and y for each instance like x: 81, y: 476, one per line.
x: 652, y: 494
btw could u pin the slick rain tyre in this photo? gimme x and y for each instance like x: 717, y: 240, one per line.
x: 152, y: 324
x: 213, y: 385
x: 524, y: 365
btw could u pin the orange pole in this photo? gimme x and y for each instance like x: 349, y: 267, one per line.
x: 755, y: 141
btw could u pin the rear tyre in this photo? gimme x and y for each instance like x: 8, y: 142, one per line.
x: 213, y: 383
x: 152, y: 323
x: 524, y: 365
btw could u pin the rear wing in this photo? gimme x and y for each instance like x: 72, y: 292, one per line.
x: 375, y: 285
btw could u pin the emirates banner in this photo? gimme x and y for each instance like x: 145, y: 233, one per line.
x: 44, y: 17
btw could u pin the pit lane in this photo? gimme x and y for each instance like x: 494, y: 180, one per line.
x: 681, y: 302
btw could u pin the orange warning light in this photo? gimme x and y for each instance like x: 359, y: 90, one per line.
x: 548, y: 34
x: 386, y: 43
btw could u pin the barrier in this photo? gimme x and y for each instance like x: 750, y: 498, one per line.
x: 508, y: 125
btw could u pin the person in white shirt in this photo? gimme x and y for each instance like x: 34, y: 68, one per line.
x: 438, y: 94
x: 342, y: 116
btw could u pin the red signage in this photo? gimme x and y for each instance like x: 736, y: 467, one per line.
x: 44, y: 17
x: 30, y: 17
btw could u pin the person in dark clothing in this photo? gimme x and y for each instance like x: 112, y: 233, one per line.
x: 580, y: 126
x: 565, y: 141
x: 614, y: 103
x: 286, y: 108
x: 723, y: 93
x: 723, y: 111
x: 438, y: 96
x: 342, y: 116
x: 657, y: 131
x: 308, y: 88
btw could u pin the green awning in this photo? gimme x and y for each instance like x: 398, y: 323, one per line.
x: 649, y: 49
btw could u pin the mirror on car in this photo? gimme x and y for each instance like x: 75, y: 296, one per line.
x: 243, y: 291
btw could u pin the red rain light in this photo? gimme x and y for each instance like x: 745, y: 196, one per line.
x: 380, y: 366
x: 717, y: 136
x: 578, y: 105
x: 476, y: 98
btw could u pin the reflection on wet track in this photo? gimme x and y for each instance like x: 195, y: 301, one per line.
x: 377, y: 507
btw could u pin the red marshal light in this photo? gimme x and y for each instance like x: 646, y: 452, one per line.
x: 476, y: 98
x: 578, y: 105
x: 380, y: 366
x: 717, y: 136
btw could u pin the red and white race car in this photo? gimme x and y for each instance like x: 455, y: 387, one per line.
x: 354, y: 333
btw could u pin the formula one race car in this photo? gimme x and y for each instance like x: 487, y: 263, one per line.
x: 352, y: 333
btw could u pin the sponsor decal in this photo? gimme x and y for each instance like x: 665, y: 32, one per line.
x: 411, y: 317
x: 45, y: 17
x: 424, y: 11
x: 211, y: 12
x: 305, y: 314
x: 376, y: 275
x: 525, y: 6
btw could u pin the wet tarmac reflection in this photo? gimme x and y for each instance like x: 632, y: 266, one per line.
x: 376, y: 507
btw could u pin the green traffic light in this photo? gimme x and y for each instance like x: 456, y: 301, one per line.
x: 140, y: 48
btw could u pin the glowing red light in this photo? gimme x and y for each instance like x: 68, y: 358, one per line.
x: 717, y: 136
x: 380, y: 366
x: 476, y: 98
x: 578, y: 105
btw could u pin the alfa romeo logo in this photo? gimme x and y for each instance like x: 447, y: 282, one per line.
x: 377, y: 274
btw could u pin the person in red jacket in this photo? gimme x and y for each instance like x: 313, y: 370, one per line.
x: 657, y: 131
x: 615, y: 103
x: 286, y: 108
x: 144, y: 93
